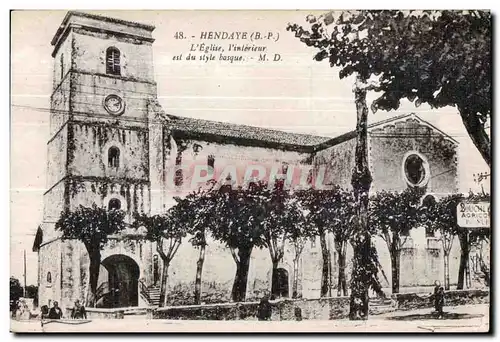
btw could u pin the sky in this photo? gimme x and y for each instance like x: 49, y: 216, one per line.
x: 296, y: 94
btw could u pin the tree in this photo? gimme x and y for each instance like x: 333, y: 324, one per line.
x: 274, y: 237
x: 331, y: 46
x: 167, y: 231
x: 297, y: 233
x: 442, y: 216
x: 392, y: 216
x: 284, y: 221
x: 198, y: 212
x: 16, y: 290
x: 333, y: 210
x: 442, y: 58
x: 317, y: 204
x: 32, y: 292
x: 238, y: 223
x: 342, y: 228
x: 92, y: 226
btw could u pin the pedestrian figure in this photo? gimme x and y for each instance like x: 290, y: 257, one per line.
x: 44, y: 311
x: 437, y: 285
x: 78, y: 311
x: 265, y: 309
x: 440, y: 302
x: 55, y: 312
x: 19, y: 309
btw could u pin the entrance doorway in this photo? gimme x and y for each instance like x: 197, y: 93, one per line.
x: 281, y: 289
x: 123, y: 275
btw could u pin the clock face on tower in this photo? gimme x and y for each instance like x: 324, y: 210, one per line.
x: 114, y: 104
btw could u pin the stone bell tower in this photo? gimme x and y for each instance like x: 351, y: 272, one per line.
x: 98, y: 149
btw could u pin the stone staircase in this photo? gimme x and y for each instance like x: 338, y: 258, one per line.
x: 154, y: 295
x: 379, y: 306
x: 150, y: 294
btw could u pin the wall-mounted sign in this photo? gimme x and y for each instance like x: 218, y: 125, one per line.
x: 473, y: 214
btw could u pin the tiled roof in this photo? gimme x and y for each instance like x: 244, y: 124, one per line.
x: 258, y: 136
x: 199, y: 126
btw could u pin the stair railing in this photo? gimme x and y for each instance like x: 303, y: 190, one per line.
x: 101, y: 291
x: 144, y: 291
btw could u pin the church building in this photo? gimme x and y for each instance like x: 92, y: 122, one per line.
x: 111, y: 144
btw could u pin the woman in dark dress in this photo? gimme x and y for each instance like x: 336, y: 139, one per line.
x: 265, y: 309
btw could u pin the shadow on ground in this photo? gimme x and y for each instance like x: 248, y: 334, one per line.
x: 432, y: 315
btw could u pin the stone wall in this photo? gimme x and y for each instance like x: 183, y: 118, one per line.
x: 133, y: 195
x: 62, y: 60
x: 90, y: 143
x: 228, y: 158
x: 390, y: 143
x: 57, y: 157
x: 409, y: 301
x: 219, y: 271
x: 90, y: 54
x: 99, y: 313
x: 311, y: 309
x: 338, y: 162
x: 49, y: 261
x: 90, y: 90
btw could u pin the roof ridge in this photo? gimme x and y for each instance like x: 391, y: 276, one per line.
x: 245, y: 125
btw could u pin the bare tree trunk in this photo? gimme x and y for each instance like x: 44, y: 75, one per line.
x: 94, y: 265
x: 199, y: 272
x: 361, y: 182
x: 164, y: 283
x: 325, y: 271
x: 464, y: 258
x: 476, y: 132
x: 238, y: 293
x: 295, y: 284
x: 274, y: 278
x: 446, y: 270
x: 395, y: 267
x: 395, y: 261
x: 340, y: 247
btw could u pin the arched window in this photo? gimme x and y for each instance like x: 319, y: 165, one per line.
x: 114, y: 204
x: 211, y: 161
x: 49, y: 277
x: 114, y: 157
x: 113, y: 61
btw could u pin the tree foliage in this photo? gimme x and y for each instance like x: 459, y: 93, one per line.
x: 16, y: 290
x: 283, y: 221
x: 442, y: 216
x: 238, y: 223
x: 92, y: 226
x: 332, y: 210
x: 167, y: 230
x: 198, y: 211
x: 392, y: 216
x: 442, y: 58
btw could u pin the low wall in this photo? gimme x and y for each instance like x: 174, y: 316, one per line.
x: 98, y: 313
x: 408, y: 301
x: 320, y: 309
